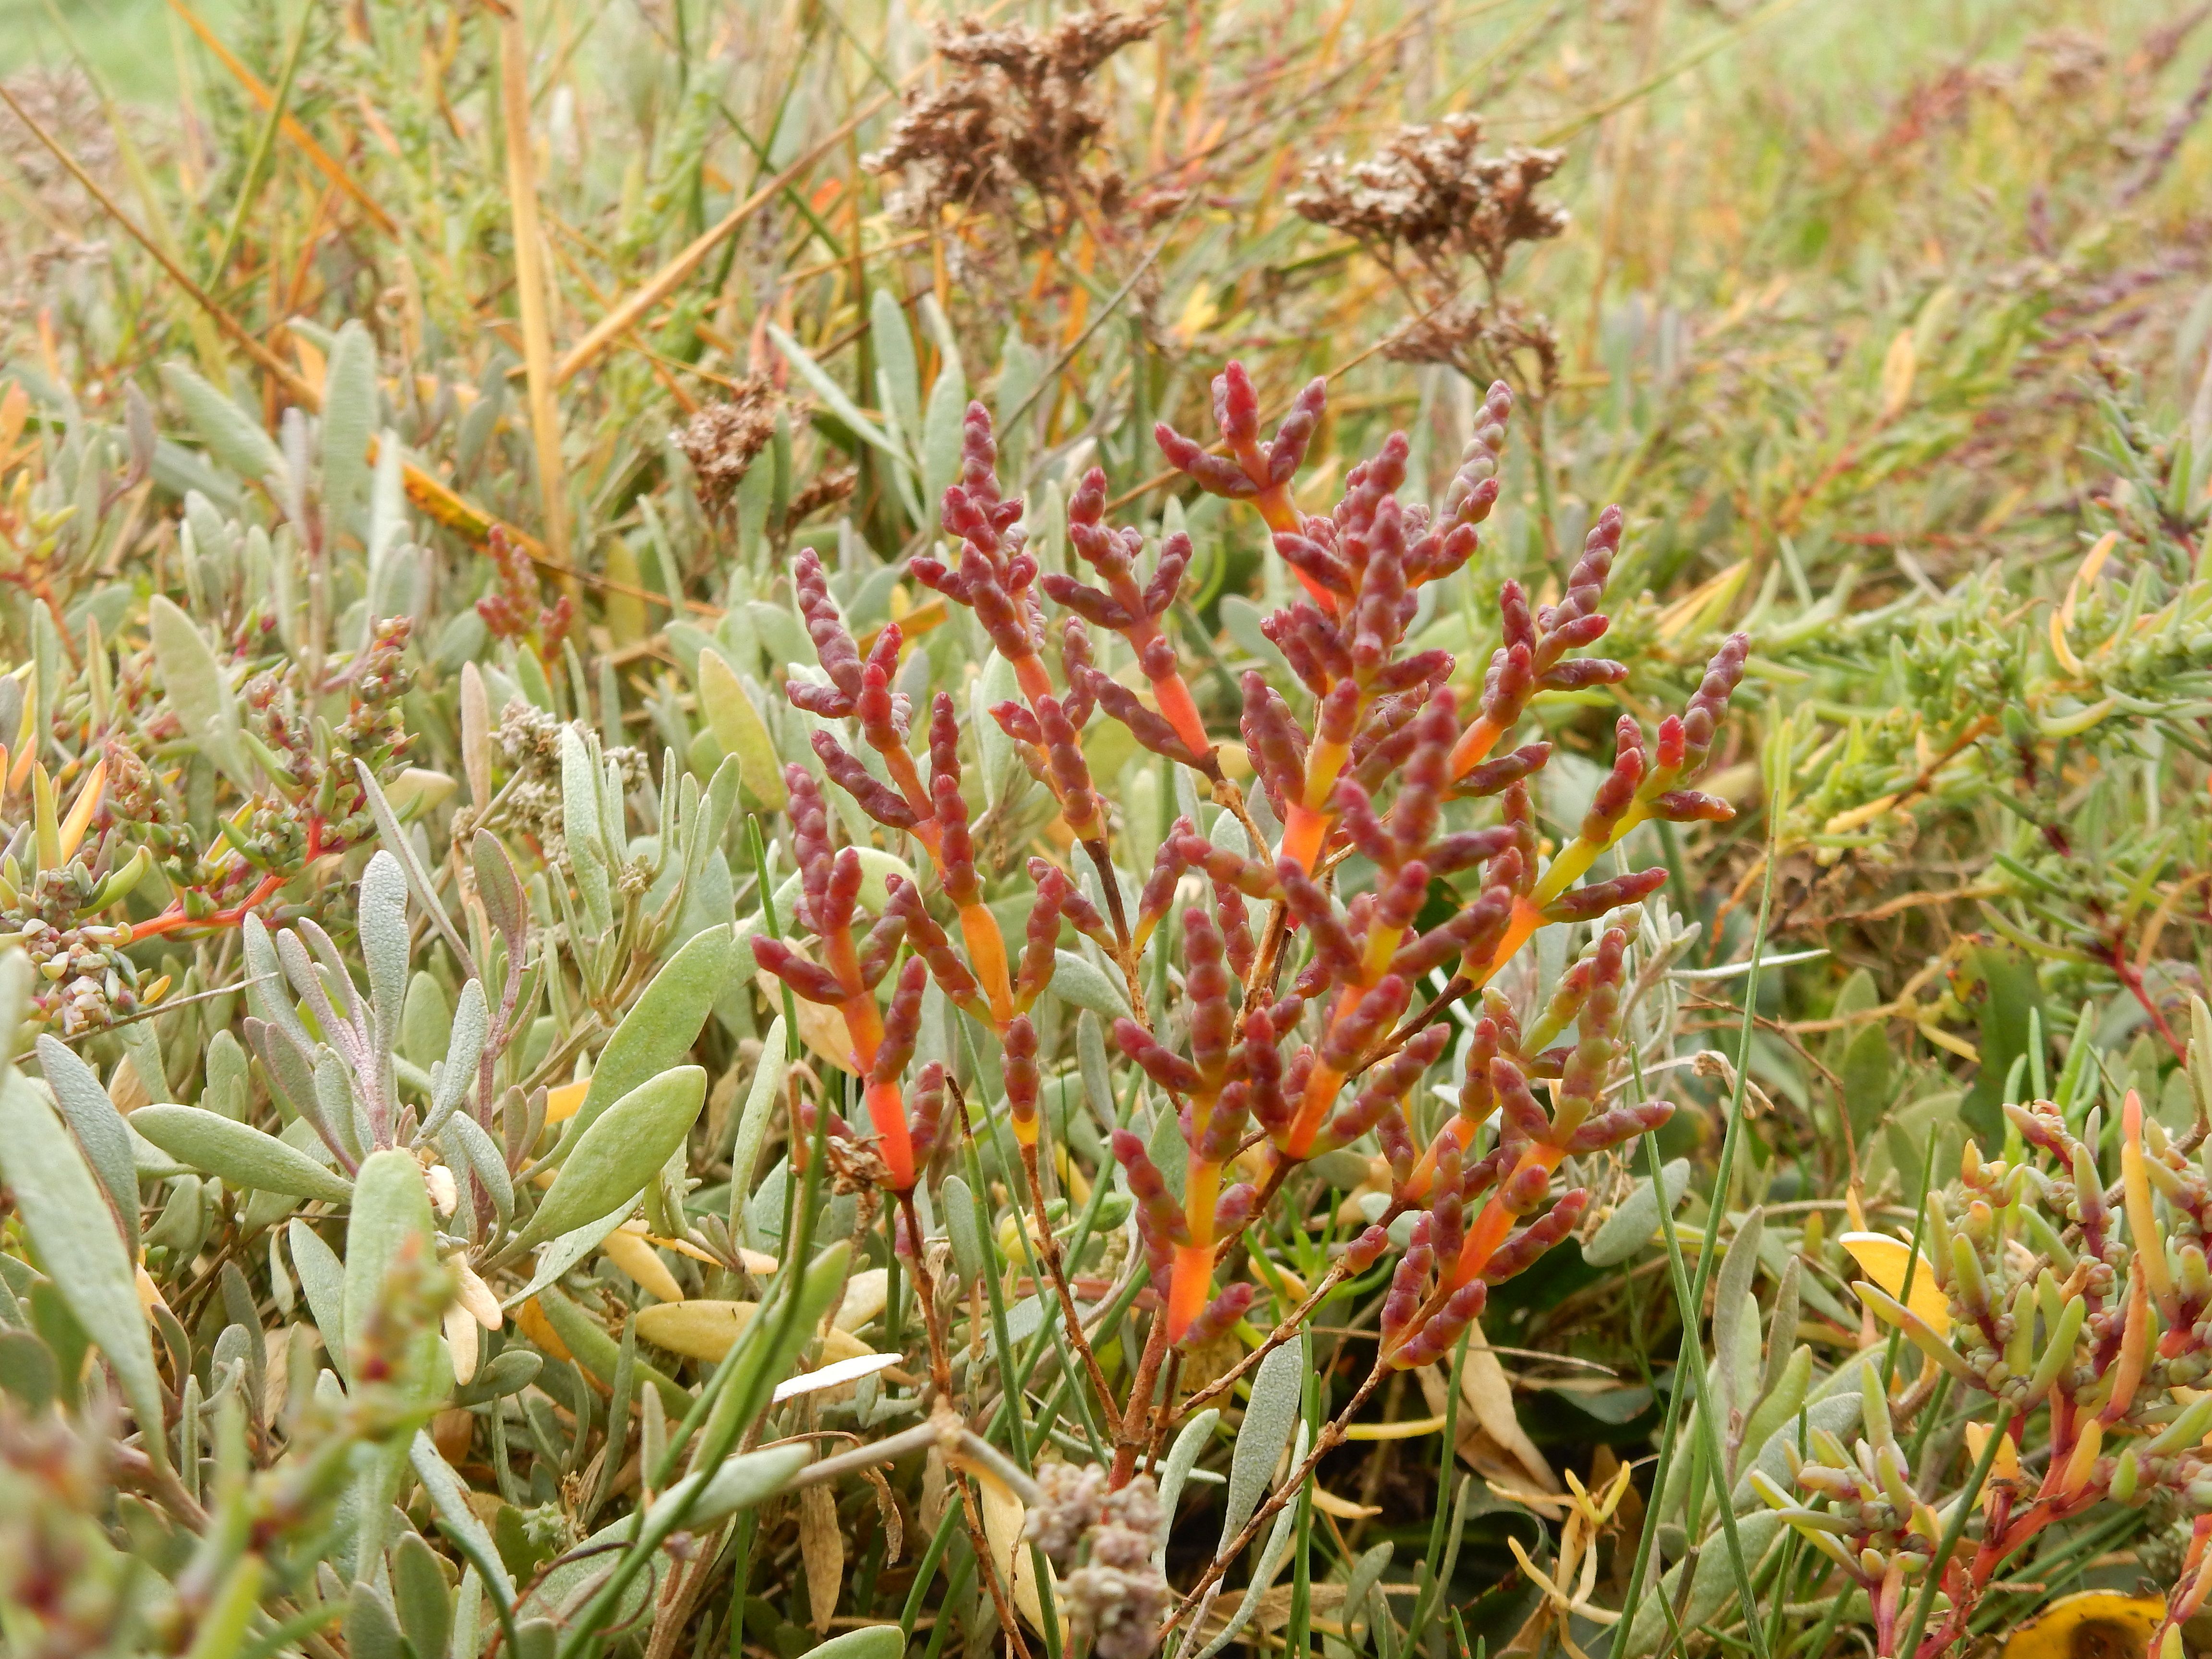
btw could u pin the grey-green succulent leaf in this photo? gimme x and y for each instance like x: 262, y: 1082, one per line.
x: 67, y: 1217
x: 238, y: 1154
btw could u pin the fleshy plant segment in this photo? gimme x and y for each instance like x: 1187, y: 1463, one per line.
x: 2071, y: 1308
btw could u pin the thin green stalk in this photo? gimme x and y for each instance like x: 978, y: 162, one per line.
x: 1912, y: 1259
x: 954, y: 1591
x: 264, y: 145
x: 1927, y: 1424
x: 1428, y: 1581
x: 1003, y: 1341
x: 1689, y: 1371
x: 2049, y: 1568
x: 1648, y: 1537
x: 1051, y: 1326
x: 1296, y: 1631
x: 1114, y: 1314
x: 741, y: 1579
x: 940, y: 1541
x: 1817, y: 1642
x: 1954, y: 1530
x: 1079, y: 1241
x: 780, y: 1311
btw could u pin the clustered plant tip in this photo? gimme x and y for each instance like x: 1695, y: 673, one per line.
x: 715, y: 939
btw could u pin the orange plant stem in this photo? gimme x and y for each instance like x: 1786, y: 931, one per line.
x: 1473, y: 746
x: 1190, y: 1277
x: 1496, y: 1221
x: 1180, y: 710
x: 1526, y: 920
x: 1030, y: 673
x: 1304, y: 834
x: 987, y: 953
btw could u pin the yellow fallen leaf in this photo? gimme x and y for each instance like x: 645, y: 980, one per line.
x: 1003, y: 1520
x: 461, y: 1344
x: 539, y: 1329
x: 472, y: 1293
x: 820, y: 1027
x: 80, y: 814
x: 631, y: 1252
x: 706, y: 1331
x: 1342, y: 1507
x: 684, y: 1247
x: 560, y: 1103
x: 420, y: 789
x: 822, y: 1552
x: 2006, y: 1465
x: 866, y: 1294
x: 1883, y: 1259
x: 1486, y: 1412
x: 1899, y: 365
x: 1405, y: 1429
x: 2088, y: 1622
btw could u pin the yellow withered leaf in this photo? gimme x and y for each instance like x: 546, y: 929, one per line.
x: 820, y: 1027
x: 1883, y: 1259
x: 1342, y: 1507
x: 539, y: 1329
x: 705, y: 1331
x: 560, y: 1103
x: 866, y: 1294
x: 634, y: 1255
x: 1004, y: 1518
x: 822, y: 1552
x: 1899, y: 365
x: 80, y: 813
x: 2004, y: 1467
x: 2088, y: 1625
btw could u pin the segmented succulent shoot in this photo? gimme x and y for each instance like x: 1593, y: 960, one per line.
x: 2078, y: 1309
x: 995, y: 572
x: 845, y: 978
x: 1132, y: 609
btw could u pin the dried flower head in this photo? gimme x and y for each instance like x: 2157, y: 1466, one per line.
x: 1017, y: 111
x: 1116, y: 1596
x: 722, y: 438
x: 1432, y: 192
x: 1430, y: 200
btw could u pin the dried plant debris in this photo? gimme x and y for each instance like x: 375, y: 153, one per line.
x: 721, y: 439
x: 56, y: 231
x: 1018, y: 116
x: 1428, y: 201
x: 1434, y: 194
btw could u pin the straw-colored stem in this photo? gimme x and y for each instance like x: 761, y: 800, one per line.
x: 530, y: 287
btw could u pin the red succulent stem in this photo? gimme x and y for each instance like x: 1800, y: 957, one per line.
x: 174, y: 918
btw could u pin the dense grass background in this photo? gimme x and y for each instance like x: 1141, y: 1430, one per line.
x: 1876, y: 318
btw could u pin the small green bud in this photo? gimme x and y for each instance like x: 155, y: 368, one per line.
x: 2124, y: 1473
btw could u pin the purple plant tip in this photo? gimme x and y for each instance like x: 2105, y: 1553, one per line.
x: 1236, y: 405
